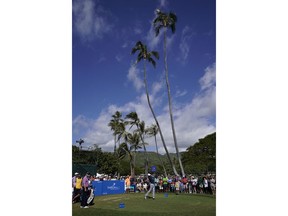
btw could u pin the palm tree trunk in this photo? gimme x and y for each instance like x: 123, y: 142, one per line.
x: 159, y: 156
x: 170, y: 106
x: 118, y: 159
x: 115, y: 144
x: 161, y: 135
x: 132, y: 164
x: 146, y: 156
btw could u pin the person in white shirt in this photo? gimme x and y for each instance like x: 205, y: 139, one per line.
x: 194, y: 184
x: 205, y: 184
x: 213, y: 185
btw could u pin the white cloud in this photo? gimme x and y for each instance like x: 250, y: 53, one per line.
x: 163, y: 3
x: 156, y: 87
x: 209, y: 78
x: 184, y: 45
x: 134, y: 77
x: 101, y: 59
x: 124, y: 45
x: 80, y: 126
x: 118, y: 57
x: 193, y: 120
x: 152, y: 40
x: 180, y: 93
x: 137, y: 30
x: 91, y: 20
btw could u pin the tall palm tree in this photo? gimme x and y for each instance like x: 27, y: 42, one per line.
x: 145, y: 55
x: 133, y: 120
x: 168, y: 21
x: 80, y: 142
x: 114, y: 125
x: 134, y: 144
x: 153, y: 131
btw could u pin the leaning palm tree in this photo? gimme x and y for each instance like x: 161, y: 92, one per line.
x: 168, y: 21
x: 145, y: 55
x: 153, y: 131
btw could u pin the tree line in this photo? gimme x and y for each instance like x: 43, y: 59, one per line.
x: 199, y: 158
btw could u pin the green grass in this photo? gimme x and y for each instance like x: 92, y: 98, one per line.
x: 135, y: 204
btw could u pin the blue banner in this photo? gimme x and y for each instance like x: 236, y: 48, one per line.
x: 153, y: 168
x: 97, y: 187
x: 108, y: 187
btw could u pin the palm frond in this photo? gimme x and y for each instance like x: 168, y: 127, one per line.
x: 156, y: 54
x: 172, y: 26
x: 157, y: 30
x: 138, y: 60
x: 157, y: 19
x: 152, y: 61
x: 139, y: 43
x: 138, y: 46
x: 173, y: 16
x: 134, y: 49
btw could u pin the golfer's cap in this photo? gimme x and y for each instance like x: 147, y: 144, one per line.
x: 149, y: 174
x: 76, y: 173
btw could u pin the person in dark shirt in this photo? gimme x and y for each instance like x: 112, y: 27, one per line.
x: 152, y: 186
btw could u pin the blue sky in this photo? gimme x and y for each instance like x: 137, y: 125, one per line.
x: 105, y: 79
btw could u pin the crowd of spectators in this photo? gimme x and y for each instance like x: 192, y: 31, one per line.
x: 205, y: 184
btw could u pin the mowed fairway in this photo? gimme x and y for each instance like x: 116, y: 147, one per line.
x: 135, y: 204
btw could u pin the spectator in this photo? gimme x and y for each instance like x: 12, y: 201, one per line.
x: 165, y: 184
x: 127, y: 184
x: 205, y: 184
x: 185, y: 184
x: 85, y: 191
x: 177, y: 185
x: 139, y: 186
x: 213, y: 185
x: 77, y: 188
x: 194, y: 184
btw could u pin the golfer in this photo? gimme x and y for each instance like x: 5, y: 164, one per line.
x: 152, y: 186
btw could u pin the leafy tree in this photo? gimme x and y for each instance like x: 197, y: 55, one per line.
x: 106, y: 162
x: 144, y: 54
x: 201, y: 157
x: 164, y: 21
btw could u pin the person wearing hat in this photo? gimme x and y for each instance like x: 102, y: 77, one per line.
x: 85, y: 191
x: 151, y: 179
x: 77, y: 188
x: 73, y: 184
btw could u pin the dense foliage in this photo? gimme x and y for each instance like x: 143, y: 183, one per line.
x: 197, y: 159
x: 201, y: 157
